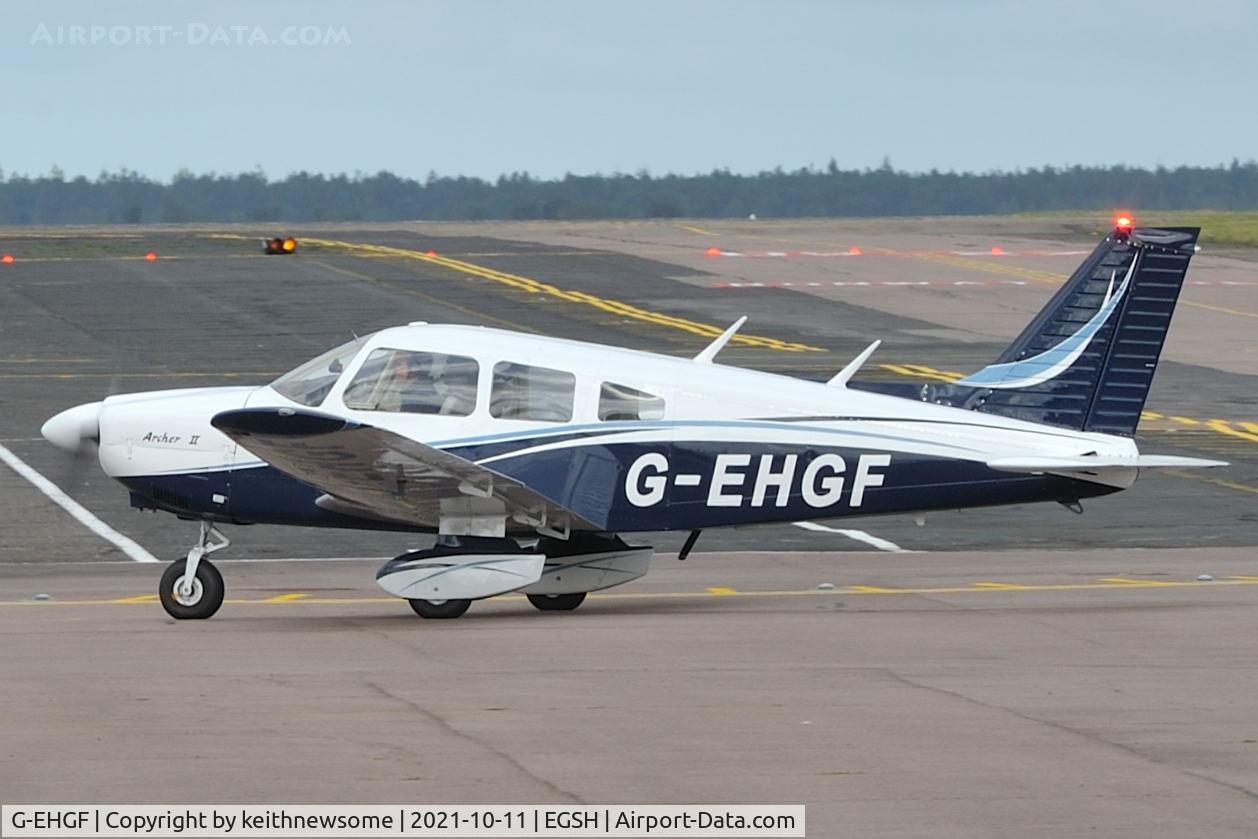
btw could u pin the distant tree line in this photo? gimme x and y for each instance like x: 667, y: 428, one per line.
x: 130, y: 198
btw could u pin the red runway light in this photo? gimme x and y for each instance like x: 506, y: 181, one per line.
x: 432, y: 253
x: 7, y: 259
x: 150, y: 256
x: 854, y: 251
x: 997, y: 250
x: 713, y: 251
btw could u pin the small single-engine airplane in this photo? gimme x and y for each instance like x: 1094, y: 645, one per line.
x: 528, y: 455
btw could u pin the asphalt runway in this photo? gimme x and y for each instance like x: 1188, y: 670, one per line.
x: 956, y: 708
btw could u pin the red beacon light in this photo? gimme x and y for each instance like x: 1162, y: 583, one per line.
x: 1123, y: 225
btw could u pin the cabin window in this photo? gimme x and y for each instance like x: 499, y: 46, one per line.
x: 310, y: 383
x: 524, y: 392
x: 621, y: 402
x: 410, y: 382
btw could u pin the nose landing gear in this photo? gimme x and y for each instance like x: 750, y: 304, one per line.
x: 192, y: 588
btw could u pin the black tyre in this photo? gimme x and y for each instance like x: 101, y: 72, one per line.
x: 557, y: 602
x: 439, y: 609
x: 206, y: 596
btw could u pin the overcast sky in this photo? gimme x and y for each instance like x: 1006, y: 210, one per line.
x: 483, y: 88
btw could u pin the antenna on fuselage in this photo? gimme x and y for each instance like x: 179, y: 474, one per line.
x: 841, y: 377
x: 710, y: 351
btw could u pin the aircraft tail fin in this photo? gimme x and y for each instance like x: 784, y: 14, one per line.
x: 1086, y: 361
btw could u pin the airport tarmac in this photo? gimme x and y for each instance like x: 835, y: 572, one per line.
x: 1050, y: 694
x: 955, y: 708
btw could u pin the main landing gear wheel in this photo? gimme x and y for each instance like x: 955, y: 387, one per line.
x: 557, y: 602
x: 439, y: 609
x: 195, y: 602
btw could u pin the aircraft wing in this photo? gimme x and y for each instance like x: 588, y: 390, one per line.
x: 374, y: 473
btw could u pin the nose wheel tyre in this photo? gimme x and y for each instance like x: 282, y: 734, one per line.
x: 439, y: 609
x: 557, y: 602
x: 198, y: 603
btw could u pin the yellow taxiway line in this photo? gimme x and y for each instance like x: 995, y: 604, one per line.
x: 532, y: 286
x: 698, y: 230
x: 980, y: 587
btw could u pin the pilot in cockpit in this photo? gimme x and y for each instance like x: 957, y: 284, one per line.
x: 414, y: 382
x: 407, y: 384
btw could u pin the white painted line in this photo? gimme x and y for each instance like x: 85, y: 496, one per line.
x: 877, y: 283
x: 75, y: 509
x: 858, y: 535
x: 794, y: 254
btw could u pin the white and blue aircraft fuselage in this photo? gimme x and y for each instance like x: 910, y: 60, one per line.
x: 527, y: 454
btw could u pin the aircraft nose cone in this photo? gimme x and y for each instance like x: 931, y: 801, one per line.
x: 71, y: 428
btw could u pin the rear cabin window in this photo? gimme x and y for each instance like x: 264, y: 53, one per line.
x: 524, y: 392
x: 621, y: 402
x: 404, y: 381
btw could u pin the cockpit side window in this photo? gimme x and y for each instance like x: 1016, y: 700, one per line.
x: 414, y: 382
x: 310, y: 383
x: 621, y: 402
x: 524, y: 392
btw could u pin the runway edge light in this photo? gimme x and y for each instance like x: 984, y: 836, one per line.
x: 7, y: 259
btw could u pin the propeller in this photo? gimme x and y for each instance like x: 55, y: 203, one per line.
x: 76, y: 429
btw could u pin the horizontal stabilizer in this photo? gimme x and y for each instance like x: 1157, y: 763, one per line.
x: 1095, y: 464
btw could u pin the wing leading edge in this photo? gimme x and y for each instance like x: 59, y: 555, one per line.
x: 375, y: 473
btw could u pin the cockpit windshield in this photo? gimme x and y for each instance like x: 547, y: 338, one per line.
x: 310, y: 383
